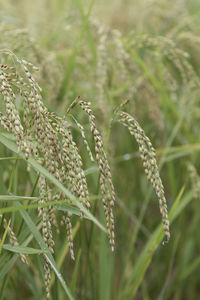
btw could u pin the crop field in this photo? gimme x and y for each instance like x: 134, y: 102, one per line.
x: 99, y: 150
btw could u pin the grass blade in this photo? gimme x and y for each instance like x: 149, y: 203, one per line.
x: 144, y: 260
x: 75, y: 274
x: 62, y: 254
x: 4, y: 235
x: 16, y: 198
x: 44, y: 247
x: 21, y: 249
x: 72, y: 59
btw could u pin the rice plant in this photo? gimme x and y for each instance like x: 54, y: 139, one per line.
x: 98, y: 133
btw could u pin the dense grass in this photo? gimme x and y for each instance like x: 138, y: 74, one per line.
x: 154, y: 62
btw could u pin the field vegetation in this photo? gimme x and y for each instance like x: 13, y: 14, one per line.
x: 99, y: 149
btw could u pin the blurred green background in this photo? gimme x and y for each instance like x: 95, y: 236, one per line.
x: 151, y: 57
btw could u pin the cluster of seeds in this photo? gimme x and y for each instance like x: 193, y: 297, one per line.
x: 111, y: 51
x: 35, y: 132
x: 167, y: 50
x: 46, y: 229
x: 38, y: 130
x: 11, y: 121
x: 106, y: 184
x: 148, y: 156
x: 13, y: 238
x: 195, y: 181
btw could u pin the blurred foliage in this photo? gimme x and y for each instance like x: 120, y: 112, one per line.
x: 146, y: 51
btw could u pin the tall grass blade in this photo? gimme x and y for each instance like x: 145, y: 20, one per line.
x: 24, y: 250
x: 44, y: 247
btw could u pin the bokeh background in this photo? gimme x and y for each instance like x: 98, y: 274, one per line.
x: 146, y: 51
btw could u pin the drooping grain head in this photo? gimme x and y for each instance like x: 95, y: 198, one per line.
x: 106, y: 184
x: 44, y: 136
x: 148, y: 156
